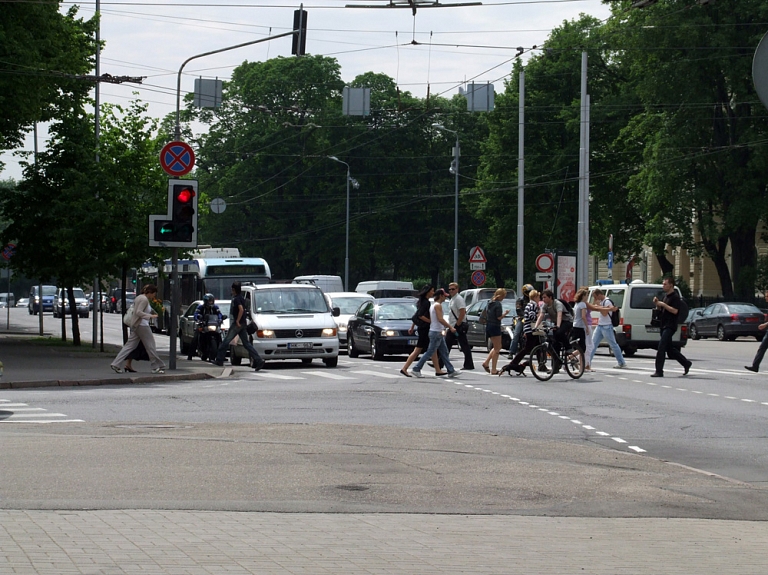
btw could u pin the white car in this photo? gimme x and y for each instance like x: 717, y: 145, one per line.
x: 61, y: 302
x: 293, y: 322
x: 348, y: 304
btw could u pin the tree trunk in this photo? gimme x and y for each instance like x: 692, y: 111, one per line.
x: 123, y: 279
x: 75, y: 317
x: 717, y: 253
x: 667, y: 267
x: 744, y: 263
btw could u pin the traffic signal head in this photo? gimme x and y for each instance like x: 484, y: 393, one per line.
x: 177, y: 228
x: 299, y: 42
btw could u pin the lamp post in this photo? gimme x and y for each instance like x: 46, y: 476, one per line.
x: 454, y: 169
x: 355, y: 183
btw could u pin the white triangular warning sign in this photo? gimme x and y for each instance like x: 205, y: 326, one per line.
x: 477, y: 255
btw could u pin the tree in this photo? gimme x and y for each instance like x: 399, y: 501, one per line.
x: 42, y: 49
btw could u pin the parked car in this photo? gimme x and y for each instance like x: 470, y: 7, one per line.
x: 129, y: 297
x: 8, y: 299
x: 380, y: 327
x: 187, y: 326
x: 49, y: 293
x: 348, y: 303
x: 475, y: 295
x: 61, y: 303
x: 727, y: 321
x: 115, y: 294
x: 23, y: 302
x: 476, y: 328
x: 693, y: 313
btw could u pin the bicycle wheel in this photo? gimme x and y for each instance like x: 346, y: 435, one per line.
x: 574, y: 364
x: 542, y: 362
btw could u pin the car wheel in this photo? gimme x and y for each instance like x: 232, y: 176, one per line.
x: 629, y: 351
x: 233, y: 358
x: 351, y: 351
x: 184, y: 348
x: 694, y: 332
x: 376, y: 352
x: 85, y: 315
x: 331, y: 362
x: 721, y: 333
x: 306, y: 360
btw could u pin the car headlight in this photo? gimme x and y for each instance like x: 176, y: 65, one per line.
x: 265, y: 334
x: 329, y: 332
x: 342, y: 329
x: 389, y: 332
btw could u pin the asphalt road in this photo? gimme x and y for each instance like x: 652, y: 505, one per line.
x: 712, y: 420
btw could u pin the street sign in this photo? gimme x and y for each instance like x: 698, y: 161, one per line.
x: 8, y: 251
x: 545, y: 263
x: 476, y: 266
x: 760, y: 70
x: 177, y: 158
x: 545, y: 276
x: 610, y: 260
x: 478, y: 278
x: 477, y: 255
x: 218, y: 205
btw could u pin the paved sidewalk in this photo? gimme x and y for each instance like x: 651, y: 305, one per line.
x: 213, y: 543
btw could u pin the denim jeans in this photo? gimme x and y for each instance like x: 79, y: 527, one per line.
x: 761, y: 351
x: 243, y: 333
x: 606, y: 331
x: 666, y: 348
x: 516, y: 337
x: 436, y: 343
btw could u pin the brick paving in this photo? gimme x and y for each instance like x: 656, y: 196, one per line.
x: 233, y: 543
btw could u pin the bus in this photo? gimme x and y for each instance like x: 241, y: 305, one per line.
x: 209, y: 270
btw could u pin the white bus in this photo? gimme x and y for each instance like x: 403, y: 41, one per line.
x: 211, y: 270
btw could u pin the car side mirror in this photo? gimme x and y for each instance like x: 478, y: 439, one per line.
x: 223, y: 317
x: 368, y: 317
x: 336, y: 312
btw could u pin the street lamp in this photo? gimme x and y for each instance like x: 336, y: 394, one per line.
x: 356, y: 185
x: 454, y: 169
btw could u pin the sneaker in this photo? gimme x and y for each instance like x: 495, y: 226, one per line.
x: 416, y: 373
x: 158, y: 370
x: 749, y: 367
x: 259, y: 365
x: 454, y: 373
x: 620, y: 366
x: 120, y: 369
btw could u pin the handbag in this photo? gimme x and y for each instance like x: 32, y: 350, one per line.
x: 251, y: 327
x: 128, y: 317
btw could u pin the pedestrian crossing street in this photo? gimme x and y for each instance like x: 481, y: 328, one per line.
x: 11, y: 412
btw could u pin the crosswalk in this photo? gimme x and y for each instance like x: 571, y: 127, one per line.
x: 11, y: 412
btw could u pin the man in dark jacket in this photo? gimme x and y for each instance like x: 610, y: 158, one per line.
x: 237, y: 327
x: 669, y: 307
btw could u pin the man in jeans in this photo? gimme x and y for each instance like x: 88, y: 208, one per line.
x: 670, y: 307
x: 604, y: 329
x: 237, y: 327
x: 459, y: 319
x: 763, y: 346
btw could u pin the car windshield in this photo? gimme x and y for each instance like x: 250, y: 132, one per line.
x: 289, y: 300
x: 49, y: 290
x: 79, y: 294
x: 391, y: 311
x: 348, y: 305
x: 743, y: 308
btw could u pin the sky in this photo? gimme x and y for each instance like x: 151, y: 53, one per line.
x: 152, y: 38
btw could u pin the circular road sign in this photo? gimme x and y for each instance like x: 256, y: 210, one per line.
x: 177, y: 158
x: 478, y: 278
x: 8, y: 251
x: 760, y: 70
x: 218, y: 205
x: 545, y: 263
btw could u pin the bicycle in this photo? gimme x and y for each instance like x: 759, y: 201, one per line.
x: 542, y: 358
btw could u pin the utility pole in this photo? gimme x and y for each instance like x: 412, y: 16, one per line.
x: 521, y: 185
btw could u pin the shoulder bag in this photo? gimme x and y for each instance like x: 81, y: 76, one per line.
x: 128, y: 317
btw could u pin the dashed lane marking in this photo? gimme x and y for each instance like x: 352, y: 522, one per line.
x: 22, y: 413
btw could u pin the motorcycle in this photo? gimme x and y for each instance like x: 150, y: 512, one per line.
x: 209, y: 329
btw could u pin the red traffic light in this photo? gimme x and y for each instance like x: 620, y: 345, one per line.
x: 185, y: 195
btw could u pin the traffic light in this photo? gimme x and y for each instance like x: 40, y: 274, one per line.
x: 177, y: 228
x: 299, y: 42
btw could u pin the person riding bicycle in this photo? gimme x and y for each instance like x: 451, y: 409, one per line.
x: 206, y: 308
x: 520, y: 310
x: 563, y: 320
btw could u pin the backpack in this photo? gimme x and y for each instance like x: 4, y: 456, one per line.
x: 568, y: 308
x: 682, y: 311
x: 615, y: 315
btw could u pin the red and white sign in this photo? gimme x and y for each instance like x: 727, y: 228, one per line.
x: 478, y: 278
x: 177, y: 158
x: 566, y: 277
x: 477, y: 255
x: 545, y: 263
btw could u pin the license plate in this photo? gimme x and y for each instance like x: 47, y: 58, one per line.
x: 301, y: 345
x: 652, y: 329
x: 413, y: 341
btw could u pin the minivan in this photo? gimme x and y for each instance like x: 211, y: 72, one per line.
x: 475, y: 295
x: 61, y: 303
x: 326, y: 283
x: 7, y: 299
x: 293, y: 321
x: 635, y: 303
x: 49, y: 293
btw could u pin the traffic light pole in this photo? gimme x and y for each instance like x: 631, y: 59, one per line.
x: 188, y: 60
x: 175, y: 304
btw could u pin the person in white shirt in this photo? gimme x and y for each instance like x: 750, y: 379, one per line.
x: 604, y: 329
x: 459, y: 320
x: 436, y: 340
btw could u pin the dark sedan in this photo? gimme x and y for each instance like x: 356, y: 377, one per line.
x: 380, y: 327
x: 727, y: 321
x: 476, y: 329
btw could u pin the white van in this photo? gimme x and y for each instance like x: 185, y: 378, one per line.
x: 386, y: 288
x: 326, y: 283
x: 294, y: 322
x: 635, y: 303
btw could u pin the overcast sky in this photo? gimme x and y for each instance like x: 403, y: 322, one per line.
x: 456, y: 44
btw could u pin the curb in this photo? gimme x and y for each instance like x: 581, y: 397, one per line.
x: 106, y: 381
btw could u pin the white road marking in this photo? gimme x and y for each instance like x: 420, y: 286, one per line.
x: 43, y: 421
x: 636, y: 448
x: 618, y: 439
x: 38, y: 415
x: 330, y: 374
x: 270, y: 375
x: 379, y: 374
x: 603, y: 433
